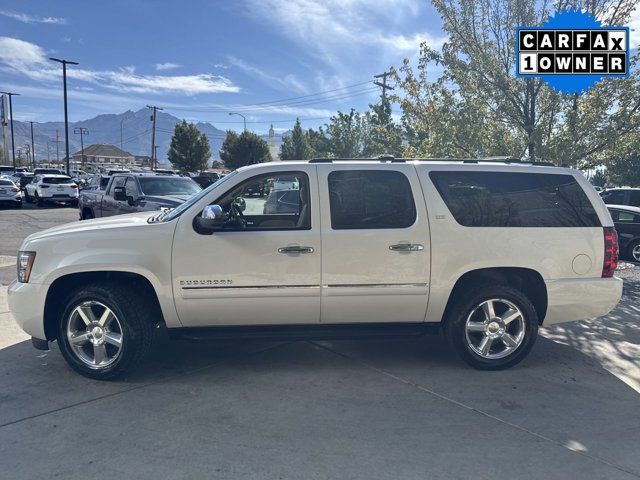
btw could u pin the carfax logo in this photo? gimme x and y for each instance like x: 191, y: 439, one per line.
x: 572, y: 51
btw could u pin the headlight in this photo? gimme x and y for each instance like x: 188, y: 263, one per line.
x: 25, y: 262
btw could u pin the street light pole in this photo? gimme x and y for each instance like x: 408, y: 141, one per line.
x: 66, y: 116
x: 33, y: 148
x: 243, y: 118
x: 13, y: 147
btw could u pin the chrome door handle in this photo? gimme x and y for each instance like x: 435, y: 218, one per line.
x: 406, y: 247
x: 295, y: 249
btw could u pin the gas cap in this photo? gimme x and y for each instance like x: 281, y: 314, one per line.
x: 582, y: 264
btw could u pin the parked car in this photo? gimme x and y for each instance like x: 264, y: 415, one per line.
x: 128, y: 193
x: 52, y: 188
x: 7, y: 170
x: 22, y: 178
x: 95, y: 182
x: 10, y: 193
x: 627, y: 222
x: 282, y: 201
x: 486, y: 251
x: 204, y: 179
x: 622, y: 196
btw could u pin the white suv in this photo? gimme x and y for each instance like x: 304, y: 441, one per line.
x: 50, y: 187
x: 488, y: 251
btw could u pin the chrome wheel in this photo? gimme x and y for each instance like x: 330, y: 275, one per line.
x: 94, y: 334
x: 495, y: 328
x: 635, y: 253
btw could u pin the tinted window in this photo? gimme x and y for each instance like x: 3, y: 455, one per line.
x: 6, y: 183
x: 370, y: 199
x: 634, y: 198
x: 502, y: 199
x: 622, y: 216
x: 614, y: 197
x: 57, y: 180
x: 168, y: 186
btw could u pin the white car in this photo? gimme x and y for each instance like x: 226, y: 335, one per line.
x: 50, y: 187
x: 9, y: 193
x: 486, y: 251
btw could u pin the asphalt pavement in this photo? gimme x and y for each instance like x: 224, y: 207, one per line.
x: 374, y: 409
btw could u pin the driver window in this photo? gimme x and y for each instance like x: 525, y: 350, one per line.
x: 117, y: 182
x: 275, y: 201
x: 130, y: 187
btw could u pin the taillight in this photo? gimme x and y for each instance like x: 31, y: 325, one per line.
x: 15, y: 189
x: 610, y: 262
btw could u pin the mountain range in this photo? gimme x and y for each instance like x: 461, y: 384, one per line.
x: 135, y: 128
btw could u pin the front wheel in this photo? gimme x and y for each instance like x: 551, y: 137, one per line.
x: 493, y: 328
x: 634, y: 251
x: 105, y: 330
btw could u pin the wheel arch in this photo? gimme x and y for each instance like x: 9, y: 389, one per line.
x: 58, y: 290
x: 527, y: 280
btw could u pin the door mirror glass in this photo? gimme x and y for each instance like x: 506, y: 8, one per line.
x: 212, y: 217
x: 119, y: 194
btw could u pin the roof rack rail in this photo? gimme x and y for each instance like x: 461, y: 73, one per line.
x: 392, y: 159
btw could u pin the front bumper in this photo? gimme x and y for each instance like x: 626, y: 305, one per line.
x: 26, y: 303
x: 577, y: 299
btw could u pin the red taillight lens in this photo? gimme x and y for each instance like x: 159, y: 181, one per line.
x: 610, y: 262
x: 15, y: 189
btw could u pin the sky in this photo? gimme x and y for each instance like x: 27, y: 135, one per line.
x: 200, y: 60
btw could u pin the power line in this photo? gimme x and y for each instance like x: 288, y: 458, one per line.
x: 154, y: 110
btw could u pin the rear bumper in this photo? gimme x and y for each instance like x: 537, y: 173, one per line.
x: 577, y: 299
x: 26, y: 303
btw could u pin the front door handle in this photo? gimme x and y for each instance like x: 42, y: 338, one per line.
x: 406, y: 247
x: 295, y: 249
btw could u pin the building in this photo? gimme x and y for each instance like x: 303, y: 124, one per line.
x: 104, y: 156
x: 273, y: 149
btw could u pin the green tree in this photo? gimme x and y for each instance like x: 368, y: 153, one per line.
x: 599, y: 178
x: 296, y: 145
x: 217, y: 164
x: 318, y: 142
x: 244, y: 149
x: 189, y: 150
x: 533, y: 120
x: 384, y: 136
x: 347, y: 133
x: 625, y: 171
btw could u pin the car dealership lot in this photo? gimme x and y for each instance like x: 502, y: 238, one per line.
x: 347, y: 409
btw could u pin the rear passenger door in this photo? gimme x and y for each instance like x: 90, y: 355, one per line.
x: 375, y: 244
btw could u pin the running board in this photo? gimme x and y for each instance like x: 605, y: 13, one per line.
x: 305, y: 332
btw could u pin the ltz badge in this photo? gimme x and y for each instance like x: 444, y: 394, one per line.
x: 571, y: 52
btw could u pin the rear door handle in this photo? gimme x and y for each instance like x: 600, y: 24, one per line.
x: 295, y: 249
x: 406, y: 247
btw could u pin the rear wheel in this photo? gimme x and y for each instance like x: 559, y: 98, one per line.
x: 493, y: 328
x: 27, y: 197
x: 105, y: 330
x: 87, y: 214
x: 39, y: 201
x: 634, y: 250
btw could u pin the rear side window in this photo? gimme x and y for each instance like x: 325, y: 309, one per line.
x: 503, y: 199
x: 634, y: 198
x: 614, y: 197
x: 370, y: 199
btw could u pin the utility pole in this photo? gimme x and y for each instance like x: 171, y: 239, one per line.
x: 155, y: 155
x: 57, y: 147
x: 82, y: 131
x: 27, y: 152
x: 66, y: 116
x: 383, y: 85
x: 154, y: 110
x: 33, y: 148
x: 48, y: 153
x: 13, y: 147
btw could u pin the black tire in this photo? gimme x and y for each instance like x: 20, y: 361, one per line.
x: 38, y: 200
x: 87, y: 214
x: 138, y: 328
x: 19, y: 204
x: 455, y: 326
x: 74, y: 203
x: 633, y: 245
x: 27, y: 197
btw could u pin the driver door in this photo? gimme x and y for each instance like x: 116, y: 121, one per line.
x: 263, y: 265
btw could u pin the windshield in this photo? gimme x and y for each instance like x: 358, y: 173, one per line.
x: 56, y: 180
x: 168, y: 186
x: 176, y: 212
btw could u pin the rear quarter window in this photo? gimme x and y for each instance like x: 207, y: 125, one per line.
x: 504, y: 199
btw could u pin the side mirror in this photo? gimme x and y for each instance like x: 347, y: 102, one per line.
x: 119, y: 194
x: 212, y: 216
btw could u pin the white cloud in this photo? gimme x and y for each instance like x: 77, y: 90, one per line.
x: 287, y: 82
x: 27, y: 18
x: 25, y: 58
x: 167, y: 66
x: 336, y: 30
